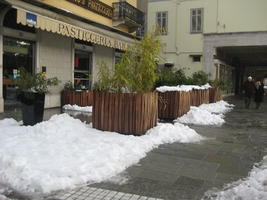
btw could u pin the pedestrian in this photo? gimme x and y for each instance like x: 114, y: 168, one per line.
x: 249, y: 89
x: 259, y: 93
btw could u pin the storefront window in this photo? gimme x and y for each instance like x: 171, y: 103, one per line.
x: 17, y: 54
x: 82, y: 70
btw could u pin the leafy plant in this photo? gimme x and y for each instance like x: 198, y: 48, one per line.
x: 36, y: 83
x: 199, y: 78
x: 104, y: 82
x: 219, y: 83
x: 68, y: 86
x: 136, y: 71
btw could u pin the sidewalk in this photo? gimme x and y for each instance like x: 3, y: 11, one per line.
x: 187, y: 171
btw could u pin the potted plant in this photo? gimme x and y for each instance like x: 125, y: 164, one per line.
x: 215, y: 93
x: 124, y: 100
x: 31, y: 89
x: 72, y: 96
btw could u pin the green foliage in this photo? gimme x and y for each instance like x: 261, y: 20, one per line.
x: 199, y: 78
x: 170, y: 78
x: 37, y: 83
x: 104, y: 78
x: 136, y: 71
x: 219, y: 83
x: 68, y: 86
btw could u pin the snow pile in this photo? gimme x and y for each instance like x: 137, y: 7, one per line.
x: 219, y: 107
x: 78, y: 108
x: 206, y: 114
x: 201, y: 117
x: 185, y: 88
x: 63, y: 152
x: 252, y: 187
x: 2, y: 197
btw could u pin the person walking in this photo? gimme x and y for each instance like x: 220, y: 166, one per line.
x: 259, y: 93
x: 249, y: 89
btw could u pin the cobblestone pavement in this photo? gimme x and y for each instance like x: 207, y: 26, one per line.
x: 186, y: 171
x: 92, y: 193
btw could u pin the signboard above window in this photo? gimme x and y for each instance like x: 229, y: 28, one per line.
x: 95, y: 6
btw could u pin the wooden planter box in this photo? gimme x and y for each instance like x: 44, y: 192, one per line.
x: 199, y: 97
x: 126, y: 113
x: 173, y: 104
x: 80, y: 98
x: 215, y: 95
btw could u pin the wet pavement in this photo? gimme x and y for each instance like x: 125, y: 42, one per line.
x: 186, y: 171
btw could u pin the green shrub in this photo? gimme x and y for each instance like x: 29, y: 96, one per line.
x: 219, y: 83
x: 136, y: 71
x: 37, y: 83
x: 199, y: 78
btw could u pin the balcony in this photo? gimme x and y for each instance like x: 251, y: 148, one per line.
x: 126, y: 14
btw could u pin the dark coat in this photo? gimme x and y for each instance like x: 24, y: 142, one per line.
x: 259, y: 93
x: 249, y: 88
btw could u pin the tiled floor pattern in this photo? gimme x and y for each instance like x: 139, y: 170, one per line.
x: 92, y: 193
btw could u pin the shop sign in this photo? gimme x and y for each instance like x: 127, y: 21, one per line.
x: 95, y: 6
x: 31, y: 19
x: 82, y: 34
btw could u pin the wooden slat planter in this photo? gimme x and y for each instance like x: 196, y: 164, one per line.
x: 215, y: 95
x: 126, y: 113
x: 80, y: 98
x: 173, y: 104
x: 199, y: 97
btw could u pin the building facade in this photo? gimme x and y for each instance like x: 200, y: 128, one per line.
x: 224, y: 38
x: 62, y: 38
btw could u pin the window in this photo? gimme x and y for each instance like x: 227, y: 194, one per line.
x: 162, y: 22
x: 196, y: 58
x: 82, y: 69
x: 196, y: 20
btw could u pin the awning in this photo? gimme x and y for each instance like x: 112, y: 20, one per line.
x: 28, y: 18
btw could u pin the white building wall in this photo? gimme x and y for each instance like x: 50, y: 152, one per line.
x: 56, y: 55
x: 220, y: 16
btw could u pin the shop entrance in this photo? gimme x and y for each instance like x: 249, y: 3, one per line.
x: 17, y: 53
x: 82, y: 70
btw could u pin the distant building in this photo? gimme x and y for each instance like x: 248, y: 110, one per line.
x: 63, y: 38
x: 225, y: 38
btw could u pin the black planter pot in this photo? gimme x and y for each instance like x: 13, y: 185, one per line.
x: 32, y: 107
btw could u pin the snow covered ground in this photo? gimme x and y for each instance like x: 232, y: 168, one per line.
x: 206, y: 114
x: 252, y: 187
x: 63, y: 152
x: 78, y: 108
x: 184, y: 88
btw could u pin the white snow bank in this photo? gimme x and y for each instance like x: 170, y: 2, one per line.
x: 78, y: 108
x: 2, y: 197
x: 252, y: 187
x: 219, y: 107
x: 206, y: 114
x: 63, y: 152
x: 201, y: 117
x: 185, y: 88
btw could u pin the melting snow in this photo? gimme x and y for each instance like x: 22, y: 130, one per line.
x: 63, y: 153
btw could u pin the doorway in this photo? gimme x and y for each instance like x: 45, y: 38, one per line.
x: 17, y: 53
x: 82, y: 70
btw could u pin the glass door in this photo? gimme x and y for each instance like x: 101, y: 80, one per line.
x: 82, y: 70
x: 17, y: 53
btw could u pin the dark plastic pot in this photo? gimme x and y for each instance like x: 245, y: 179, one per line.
x: 32, y: 107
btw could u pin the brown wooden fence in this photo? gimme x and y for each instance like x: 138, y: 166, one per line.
x: 127, y: 113
x: 214, y: 95
x: 199, y: 97
x: 83, y: 98
x: 173, y: 104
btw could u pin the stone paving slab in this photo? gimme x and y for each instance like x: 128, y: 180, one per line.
x: 92, y: 193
